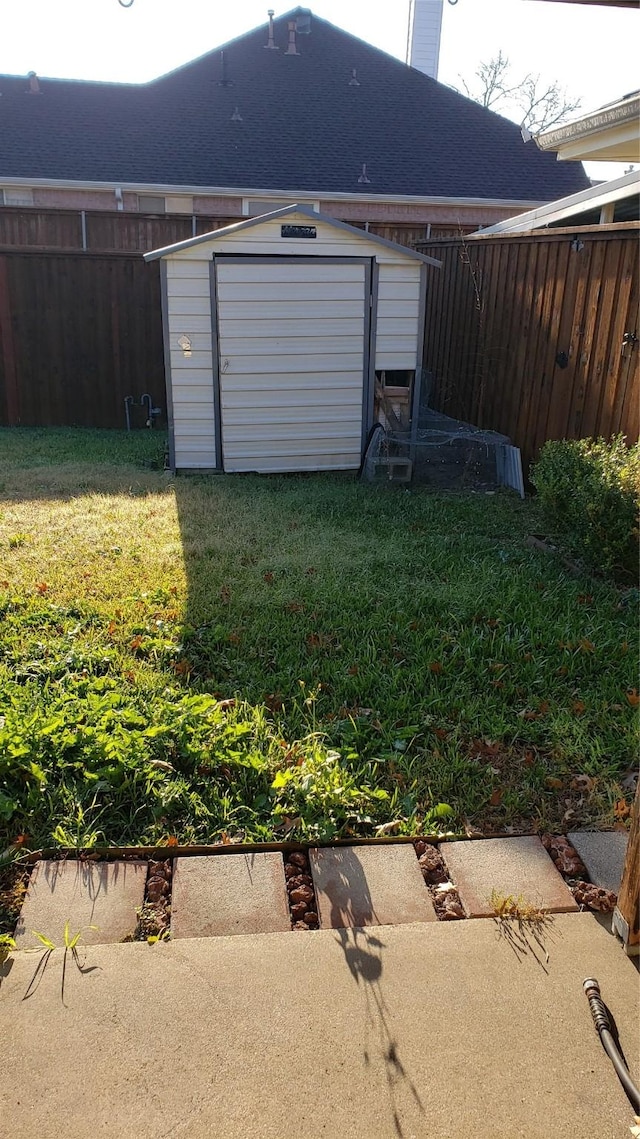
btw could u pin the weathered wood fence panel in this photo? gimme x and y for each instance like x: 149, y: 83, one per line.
x: 78, y: 333
x: 112, y: 231
x: 526, y: 335
x: 98, y: 231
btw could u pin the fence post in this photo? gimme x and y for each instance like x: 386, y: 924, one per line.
x: 626, y: 917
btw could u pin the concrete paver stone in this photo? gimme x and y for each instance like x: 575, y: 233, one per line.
x: 518, y: 866
x: 84, y: 894
x: 369, y: 885
x: 603, y: 855
x: 424, y: 1031
x: 229, y: 894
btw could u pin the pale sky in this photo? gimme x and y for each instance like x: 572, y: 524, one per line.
x: 592, y: 51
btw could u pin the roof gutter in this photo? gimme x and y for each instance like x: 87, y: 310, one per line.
x: 256, y: 192
x: 617, y: 115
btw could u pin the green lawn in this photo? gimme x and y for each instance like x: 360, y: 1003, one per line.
x: 302, y: 656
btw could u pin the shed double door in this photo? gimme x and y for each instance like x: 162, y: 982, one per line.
x: 293, y: 361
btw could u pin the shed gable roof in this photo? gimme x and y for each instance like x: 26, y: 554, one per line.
x: 303, y: 124
x: 304, y: 213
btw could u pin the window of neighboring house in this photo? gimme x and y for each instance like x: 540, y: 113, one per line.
x: 253, y: 207
x: 179, y: 204
x: 16, y: 197
x: 151, y: 204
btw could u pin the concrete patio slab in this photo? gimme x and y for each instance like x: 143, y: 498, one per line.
x: 229, y: 894
x: 368, y: 886
x: 603, y: 855
x: 508, y: 866
x: 84, y: 894
x: 413, y: 1032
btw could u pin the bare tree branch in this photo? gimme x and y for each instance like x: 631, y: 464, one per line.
x: 536, y: 106
x: 543, y: 107
x: 492, y: 81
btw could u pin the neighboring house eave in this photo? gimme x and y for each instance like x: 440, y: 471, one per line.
x: 260, y: 192
x: 566, y: 208
x: 616, y: 126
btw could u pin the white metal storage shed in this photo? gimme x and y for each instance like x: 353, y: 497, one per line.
x: 274, y: 331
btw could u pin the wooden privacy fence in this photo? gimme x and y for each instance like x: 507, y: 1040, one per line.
x: 112, y: 231
x: 78, y: 333
x: 533, y: 335
x: 104, y: 231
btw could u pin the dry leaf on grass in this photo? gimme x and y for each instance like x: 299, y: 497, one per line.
x: 622, y: 809
x: 389, y: 828
x: 583, y: 783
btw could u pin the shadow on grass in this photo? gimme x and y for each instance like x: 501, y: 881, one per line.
x: 416, y: 631
x: 319, y: 582
x: 67, y: 463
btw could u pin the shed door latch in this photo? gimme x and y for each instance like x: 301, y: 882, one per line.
x: 629, y: 340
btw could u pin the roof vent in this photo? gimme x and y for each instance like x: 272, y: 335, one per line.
x: 236, y: 116
x: 364, y: 180
x: 272, y: 45
x: 224, y: 80
x: 354, y: 81
x: 34, y: 85
x: 292, y: 48
x: 303, y: 22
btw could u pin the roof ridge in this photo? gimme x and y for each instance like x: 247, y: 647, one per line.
x: 229, y: 43
x: 285, y: 17
x: 217, y: 48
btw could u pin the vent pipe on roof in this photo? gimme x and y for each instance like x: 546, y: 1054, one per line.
x: 303, y: 22
x: 236, y: 116
x: 364, y: 180
x: 354, y: 81
x: 272, y: 45
x: 292, y: 48
x: 34, y: 85
x: 224, y: 80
